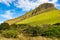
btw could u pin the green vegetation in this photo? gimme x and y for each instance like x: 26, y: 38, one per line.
x: 50, y: 17
x: 10, y: 33
x: 13, y: 27
x: 32, y: 31
x: 52, y: 31
x: 4, y: 26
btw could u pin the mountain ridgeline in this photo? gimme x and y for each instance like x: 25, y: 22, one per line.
x: 46, y: 7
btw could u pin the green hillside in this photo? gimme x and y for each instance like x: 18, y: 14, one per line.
x: 49, y: 17
x: 44, y: 14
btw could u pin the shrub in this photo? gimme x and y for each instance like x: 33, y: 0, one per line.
x: 22, y: 26
x: 18, y: 26
x: 57, y: 24
x: 53, y: 31
x: 4, y: 26
x: 13, y: 26
x: 32, y: 31
x: 10, y: 33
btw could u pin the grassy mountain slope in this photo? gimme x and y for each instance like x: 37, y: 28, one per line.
x: 45, y: 13
x: 13, y: 21
x: 49, y: 17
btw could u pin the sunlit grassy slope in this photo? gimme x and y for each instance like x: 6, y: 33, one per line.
x: 49, y: 17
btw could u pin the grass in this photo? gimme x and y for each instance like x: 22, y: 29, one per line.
x: 21, y: 37
x: 49, y: 17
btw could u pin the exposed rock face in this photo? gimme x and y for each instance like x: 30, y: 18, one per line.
x: 46, y: 5
x: 41, y: 9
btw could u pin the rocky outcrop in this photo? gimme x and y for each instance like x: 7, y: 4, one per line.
x: 43, y: 7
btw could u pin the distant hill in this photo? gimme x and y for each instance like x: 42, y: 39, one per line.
x: 44, y: 14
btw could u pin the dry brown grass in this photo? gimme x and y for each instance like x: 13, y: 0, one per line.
x: 21, y: 37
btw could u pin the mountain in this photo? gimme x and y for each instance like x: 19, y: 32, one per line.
x: 49, y: 17
x: 44, y: 14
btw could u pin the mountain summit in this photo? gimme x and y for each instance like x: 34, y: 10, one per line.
x: 42, y: 9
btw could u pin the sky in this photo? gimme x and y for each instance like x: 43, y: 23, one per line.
x: 10, y: 9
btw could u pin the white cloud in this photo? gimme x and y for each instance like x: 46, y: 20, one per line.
x: 27, y: 5
x: 7, y: 15
x: 6, y: 2
x: 1, y: 21
x: 57, y: 5
x: 52, y: 1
